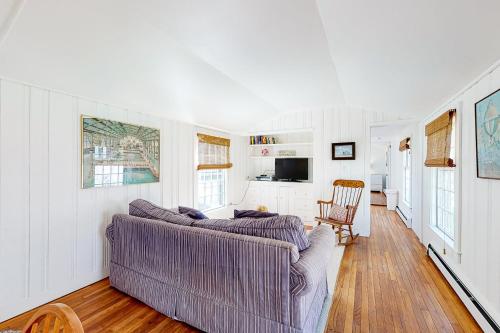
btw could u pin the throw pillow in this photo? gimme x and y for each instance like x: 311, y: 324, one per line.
x: 145, y: 209
x: 286, y: 228
x: 337, y: 213
x: 252, y: 213
x: 192, y: 213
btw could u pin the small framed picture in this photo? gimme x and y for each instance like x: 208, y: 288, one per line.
x: 344, y: 151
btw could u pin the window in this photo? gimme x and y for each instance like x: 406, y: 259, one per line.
x: 443, y: 214
x: 407, y: 176
x: 211, y: 189
x: 444, y: 201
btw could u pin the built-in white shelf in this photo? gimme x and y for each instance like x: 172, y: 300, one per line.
x: 275, y: 132
x: 296, y: 156
x: 299, y: 142
x: 282, y: 144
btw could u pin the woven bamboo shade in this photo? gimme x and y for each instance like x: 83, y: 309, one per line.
x: 404, y: 144
x: 439, y: 136
x: 213, y: 152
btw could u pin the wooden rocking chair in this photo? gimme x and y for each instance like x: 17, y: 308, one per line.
x: 346, y: 193
x: 54, y: 318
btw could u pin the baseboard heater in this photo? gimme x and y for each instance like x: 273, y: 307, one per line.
x: 467, y: 292
x: 403, y: 217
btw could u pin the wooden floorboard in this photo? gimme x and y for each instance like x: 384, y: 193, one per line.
x: 386, y: 283
x: 378, y: 199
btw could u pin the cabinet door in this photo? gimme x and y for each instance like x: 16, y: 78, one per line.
x: 284, y: 200
x: 270, y: 195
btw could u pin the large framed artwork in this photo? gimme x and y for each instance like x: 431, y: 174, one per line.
x: 114, y: 153
x: 488, y: 136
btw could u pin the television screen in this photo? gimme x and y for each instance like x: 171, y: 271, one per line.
x: 291, y: 168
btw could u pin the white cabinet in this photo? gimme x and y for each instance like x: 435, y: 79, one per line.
x: 285, y: 198
x: 376, y: 181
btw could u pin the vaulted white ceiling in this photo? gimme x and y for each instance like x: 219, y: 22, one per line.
x: 226, y: 63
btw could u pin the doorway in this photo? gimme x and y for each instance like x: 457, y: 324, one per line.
x: 380, y: 173
x: 391, y: 172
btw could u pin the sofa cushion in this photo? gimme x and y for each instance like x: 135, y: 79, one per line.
x: 192, y: 213
x: 252, y: 213
x: 287, y: 228
x: 145, y: 209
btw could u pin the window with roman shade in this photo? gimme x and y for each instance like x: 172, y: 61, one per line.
x: 439, y: 133
x: 213, y: 152
x: 404, y: 144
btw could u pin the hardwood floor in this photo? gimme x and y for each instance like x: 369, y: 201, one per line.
x: 102, y: 308
x: 386, y: 283
x: 378, y: 199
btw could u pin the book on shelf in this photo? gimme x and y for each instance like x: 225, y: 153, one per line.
x: 262, y: 140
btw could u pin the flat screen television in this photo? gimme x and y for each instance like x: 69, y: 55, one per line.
x: 291, y: 169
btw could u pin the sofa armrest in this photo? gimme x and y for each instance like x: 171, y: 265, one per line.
x: 306, y: 273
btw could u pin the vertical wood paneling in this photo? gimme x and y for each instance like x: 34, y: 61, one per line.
x: 61, y: 192
x: 479, y: 266
x: 52, y: 232
x: 14, y: 181
x: 86, y: 217
x: 332, y: 125
x: 39, y: 201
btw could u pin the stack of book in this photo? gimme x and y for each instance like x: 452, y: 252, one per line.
x: 262, y: 140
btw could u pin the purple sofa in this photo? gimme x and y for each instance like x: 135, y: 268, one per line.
x: 219, y: 281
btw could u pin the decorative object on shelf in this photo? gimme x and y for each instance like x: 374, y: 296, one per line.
x: 115, y: 153
x: 488, y: 136
x: 264, y: 178
x: 263, y: 140
x: 344, y: 151
x: 439, y: 136
x: 264, y: 152
x: 287, y: 153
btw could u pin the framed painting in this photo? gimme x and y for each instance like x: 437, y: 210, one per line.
x: 487, y: 112
x: 344, y: 151
x: 114, y: 153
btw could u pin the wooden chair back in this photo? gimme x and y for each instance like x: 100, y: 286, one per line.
x: 347, y: 192
x: 54, y: 318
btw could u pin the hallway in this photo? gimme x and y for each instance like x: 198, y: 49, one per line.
x: 386, y: 283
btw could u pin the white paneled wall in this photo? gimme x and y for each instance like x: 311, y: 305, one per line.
x: 479, y: 265
x: 52, y: 232
x: 338, y: 124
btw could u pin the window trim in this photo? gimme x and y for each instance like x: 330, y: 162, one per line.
x: 406, y: 166
x: 434, y: 207
x: 455, y: 247
x: 226, y: 187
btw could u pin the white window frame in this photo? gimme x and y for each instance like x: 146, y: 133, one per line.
x: 224, y: 192
x: 443, y: 208
x: 407, y: 175
x: 453, y: 242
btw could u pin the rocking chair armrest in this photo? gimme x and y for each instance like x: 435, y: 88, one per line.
x: 324, y: 207
x: 319, y: 202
